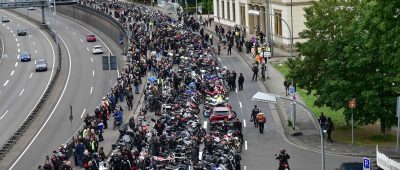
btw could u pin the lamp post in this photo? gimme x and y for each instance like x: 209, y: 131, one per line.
x: 352, y: 106
x: 398, y: 124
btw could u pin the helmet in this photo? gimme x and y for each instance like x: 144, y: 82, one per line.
x: 283, y: 150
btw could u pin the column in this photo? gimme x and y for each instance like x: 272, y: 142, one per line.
x: 238, y: 12
x: 215, y: 10
x: 231, y: 8
x: 226, y: 10
x: 249, y: 19
x: 221, y: 10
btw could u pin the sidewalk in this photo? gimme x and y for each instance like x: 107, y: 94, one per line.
x: 305, y: 122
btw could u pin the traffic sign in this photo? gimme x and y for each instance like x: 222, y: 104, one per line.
x: 291, y: 90
x: 366, y: 164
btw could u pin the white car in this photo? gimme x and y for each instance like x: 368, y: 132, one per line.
x: 31, y: 8
x: 97, y: 49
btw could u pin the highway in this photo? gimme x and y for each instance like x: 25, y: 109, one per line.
x: 86, y: 84
x: 20, y: 86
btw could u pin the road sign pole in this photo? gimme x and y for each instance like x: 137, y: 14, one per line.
x: 398, y: 123
x: 352, y: 126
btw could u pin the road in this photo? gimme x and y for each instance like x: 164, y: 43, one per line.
x: 259, y: 149
x: 86, y: 84
x: 20, y: 86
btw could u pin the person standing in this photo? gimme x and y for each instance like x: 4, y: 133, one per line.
x: 241, y: 81
x: 322, y: 120
x: 219, y: 48
x: 229, y: 48
x: 263, y: 68
x: 211, y: 39
x: 255, y: 72
x: 234, y: 75
x: 287, y: 85
x: 261, y: 121
x: 329, y: 128
x: 254, y: 113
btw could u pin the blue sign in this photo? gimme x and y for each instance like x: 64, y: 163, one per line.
x: 366, y: 163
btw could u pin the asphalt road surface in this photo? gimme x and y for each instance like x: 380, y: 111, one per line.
x: 20, y: 86
x: 259, y: 149
x: 86, y: 84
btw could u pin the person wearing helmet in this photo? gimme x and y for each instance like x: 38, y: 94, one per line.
x: 283, y: 158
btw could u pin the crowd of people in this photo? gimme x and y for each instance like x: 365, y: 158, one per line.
x: 181, y: 63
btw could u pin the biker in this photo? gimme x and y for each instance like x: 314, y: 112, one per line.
x: 283, y: 159
x: 254, y: 113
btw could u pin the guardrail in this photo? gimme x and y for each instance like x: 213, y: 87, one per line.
x: 14, y: 138
x: 385, y: 162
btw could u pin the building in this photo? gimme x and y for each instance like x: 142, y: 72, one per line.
x: 236, y: 12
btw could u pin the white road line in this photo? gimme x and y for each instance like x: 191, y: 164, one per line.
x: 205, y: 125
x: 87, y: 49
x: 14, y: 35
x: 81, y: 40
x: 12, y: 73
x: 33, y: 43
x: 244, y: 122
x: 4, y: 114
x: 83, y: 113
x: 91, y: 90
x: 93, y: 72
x: 30, y: 76
x: 16, y: 64
x: 21, y: 92
x: 240, y: 104
x: 16, y: 39
x: 219, y: 59
x: 18, y: 56
x: 245, y: 167
x: 5, y: 84
x: 245, y: 145
x: 17, y: 44
x: 35, y: 51
x: 74, y: 33
x: 91, y: 58
x: 8, y: 28
x: 11, y: 31
x: 19, y: 50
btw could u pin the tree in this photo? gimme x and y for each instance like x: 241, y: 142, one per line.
x: 341, y: 61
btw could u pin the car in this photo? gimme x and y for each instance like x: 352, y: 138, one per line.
x: 41, y: 65
x: 97, y: 49
x: 221, y: 113
x: 351, y: 166
x: 5, y: 19
x: 31, y: 8
x: 21, y: 31
x: 91, y: 38
x: 25, y: 56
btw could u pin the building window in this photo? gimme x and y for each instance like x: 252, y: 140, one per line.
x: 242, y: 15
x: 234, y: 11
x: 278, y: 23
x: 223, y: 9
x: 229, y: 10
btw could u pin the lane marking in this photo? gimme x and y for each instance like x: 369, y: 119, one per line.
x: 4, y: 114
x: 240, y: 104
x: 87, y: 49
x: 33, y: 43
x: 35, y: 61
x: 16, y: 39
x: 21, y: 92
x: 93, y: 72
x: 8, y: 28
x: 35, y: 51
x: 14, y: 35
x: 91, y: 90
x: 91, y: 58
x: 30, y: 76
x: 244, y: 122
x: 245, y: 167
x: 5, y: 84
x: 16, y: 64
x: 245, y: 145
x: 83, y: 113
x: 205, y: 125
x: 19, y: 50
x: 11, y: 31
x: 74, y: 33
x: 17, y: 44
x: 12, y: 73
x: 18, y: 56
x: 81, y: 40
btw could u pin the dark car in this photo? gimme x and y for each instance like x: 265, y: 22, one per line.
x: 21, y: 31
x: 25, y: 56
x: 351, y: 166
x: 221, y: 113
x: 91, y: 38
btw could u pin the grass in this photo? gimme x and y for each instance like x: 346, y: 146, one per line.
x: 367, y: 135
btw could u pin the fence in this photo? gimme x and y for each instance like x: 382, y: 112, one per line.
x: 385, y: 162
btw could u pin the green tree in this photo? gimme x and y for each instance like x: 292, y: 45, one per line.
x: 343, y: 59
